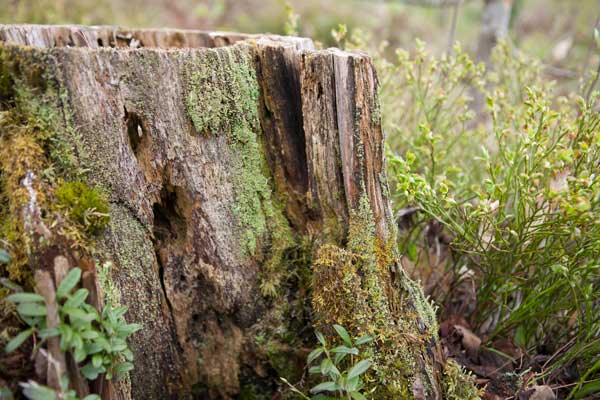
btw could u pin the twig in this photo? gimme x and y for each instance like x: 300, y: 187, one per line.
x: 45, y: 287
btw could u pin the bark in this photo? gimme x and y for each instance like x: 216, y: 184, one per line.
x: 230, y: 160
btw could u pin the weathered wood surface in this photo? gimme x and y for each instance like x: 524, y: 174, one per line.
x: 203, y: 148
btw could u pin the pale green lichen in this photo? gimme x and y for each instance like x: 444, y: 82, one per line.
x: 222, y: 99
x: 112, y: 295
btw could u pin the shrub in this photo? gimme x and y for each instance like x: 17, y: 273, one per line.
x: 519, y: 196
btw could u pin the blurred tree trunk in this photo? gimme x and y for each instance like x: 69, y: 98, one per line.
x: 230, y: 161
x: 494, y: 26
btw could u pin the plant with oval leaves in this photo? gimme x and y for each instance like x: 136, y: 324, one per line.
x: 341, y: 367
x: 96, y: 340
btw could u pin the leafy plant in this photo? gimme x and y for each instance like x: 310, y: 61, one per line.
x: 96, y: 340
x: 523, y: 215
x: 34, y: 391
x: 341, y: 366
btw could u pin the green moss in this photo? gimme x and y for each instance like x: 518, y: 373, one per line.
x: 85, y: 205
x: 354, y: 287
x: 458, y: 384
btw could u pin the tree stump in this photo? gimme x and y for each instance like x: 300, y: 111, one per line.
x: 246, y: 178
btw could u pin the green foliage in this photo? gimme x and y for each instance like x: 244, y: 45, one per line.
x: 34, y: 391
x: 98, y: 341
x: 524, y: 215
x: 425, y: 101
x: 85, y: 205
x: 341, y: 367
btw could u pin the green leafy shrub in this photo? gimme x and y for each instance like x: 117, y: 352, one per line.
x: 84, y: 205
x: 520, y: 200
x: 341, y: 367
x: 98, y: 341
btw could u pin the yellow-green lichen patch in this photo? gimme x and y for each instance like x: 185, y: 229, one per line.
x: 354, y: 287
x: 222, y: 99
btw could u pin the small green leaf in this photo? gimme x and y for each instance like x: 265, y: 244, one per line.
x: 48, y: 332
x: 7, y: 283
x: 18, y: 340
x: 77, y: 313
x: 25, y: 298
x: 122, y: 368
x: 4, y: 257
x: 97, y: 360
x: 66, y: 332
x: 315, y: 369
x: 321, y: 338
x: 325, y: 387
x: 343, y: 333
x: 128, y: 329
x: 353, y: 384
x: 358, y: 396
x: 32, y: 309
x: 597, y: 37
x: 90, y: 372
x: 67, y: 284
x: 128, y: 355
x: 93, y: 348
x: 314, y: 355
x: 326, y: 366
x: 79, y: 355
x: 118, y: 345
x: 338, y: 358
x: 77, y: 298
x: 118, y: 312
x: 34, y: 391
x: 360, y: 368
x: 520, y: 336
x: 345, y: 350
x: 92, y: 397
x: 89, y: 334
x: 104, y: 343
x: 364, y: 339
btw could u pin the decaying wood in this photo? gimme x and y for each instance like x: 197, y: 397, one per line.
x: 56, y: 363
x: 186, y: 261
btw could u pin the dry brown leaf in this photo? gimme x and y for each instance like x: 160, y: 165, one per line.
x: 542, y: 392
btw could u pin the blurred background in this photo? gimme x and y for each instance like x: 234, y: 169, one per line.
x: 559, y: 32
